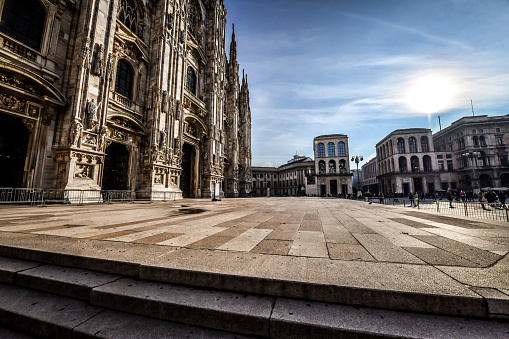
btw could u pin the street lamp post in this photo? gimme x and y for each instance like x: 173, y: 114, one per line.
x: 473, y: 156
x: 357, y: 159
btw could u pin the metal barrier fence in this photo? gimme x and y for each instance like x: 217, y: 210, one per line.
x: 473, y: 209
x: 39, y: 196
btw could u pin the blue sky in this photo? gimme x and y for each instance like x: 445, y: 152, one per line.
x: 366, y: 67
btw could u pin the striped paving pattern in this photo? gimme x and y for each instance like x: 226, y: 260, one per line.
x: 309, y: 227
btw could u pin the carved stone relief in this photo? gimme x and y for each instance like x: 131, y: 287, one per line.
x: 83, y: 171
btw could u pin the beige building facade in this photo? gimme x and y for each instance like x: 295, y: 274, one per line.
x: 295, y: 178
x: 473, y: 153
x: 406, y: 161
x: 332, y: 165
x: 122, y: 95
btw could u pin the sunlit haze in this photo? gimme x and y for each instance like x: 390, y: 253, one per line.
x: 366, y: 67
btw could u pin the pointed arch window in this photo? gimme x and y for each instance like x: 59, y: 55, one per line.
x: 191, y: 80
x: 23, y: 20
x: 128, y: 14
x: 124, y: 79
x: 321, y: 150
x: 331, y: 150
x: 341, y: 149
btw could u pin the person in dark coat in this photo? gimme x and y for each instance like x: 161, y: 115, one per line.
x: 501, y: 198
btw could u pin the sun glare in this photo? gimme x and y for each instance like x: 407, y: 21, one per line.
x: 431, y: 94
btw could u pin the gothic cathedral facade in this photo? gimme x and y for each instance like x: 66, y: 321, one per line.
x: 122, y: 95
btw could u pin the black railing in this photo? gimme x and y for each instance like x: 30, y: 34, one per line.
x: 40, y: 196
x: 483, y: 210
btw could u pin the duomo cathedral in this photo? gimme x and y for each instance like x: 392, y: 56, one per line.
x: 122, y: 95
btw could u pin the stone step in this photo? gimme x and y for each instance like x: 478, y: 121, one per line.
x: 92, y: 303
x: 51, y: 316
x: 400, y: 300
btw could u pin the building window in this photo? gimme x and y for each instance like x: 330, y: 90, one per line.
x: 124, y: 79
x: 332, y: 166
x: 331, y: 150
x: 191, y: 80
x: 402, y: 165
x: 23, y: 20
x: 412, y: 145
x: 441, y: 165
x: 414, y: 162
x: 497, y: 130
x: 321, y: 167
x: 342, y: 166
x: 482, y: 140
x: 426, y: 162
x: 440, y: 156
x: 128, y: 14
x: 321, y: 150
x: 341, y: 149
x: 500, y: 141
x: 504, y: 161
x: 476, y: 141
x: 450, y: 167
x: 424, y: 144
x: 401, y: 145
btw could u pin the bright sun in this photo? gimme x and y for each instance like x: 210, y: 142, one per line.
x: 431, y: 94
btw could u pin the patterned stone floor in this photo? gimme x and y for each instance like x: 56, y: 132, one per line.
x: 306, y: 227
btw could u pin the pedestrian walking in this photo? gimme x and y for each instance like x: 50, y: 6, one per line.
x: 411, y: 197
x: 416, y: 199
x: 481, y: 199
x: 449, y: 197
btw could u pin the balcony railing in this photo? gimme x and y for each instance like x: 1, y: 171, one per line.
x: 19, y: 49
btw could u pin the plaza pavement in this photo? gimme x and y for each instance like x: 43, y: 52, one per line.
x: 320, y: 249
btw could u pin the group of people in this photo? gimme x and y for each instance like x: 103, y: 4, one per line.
x: 488, y: 196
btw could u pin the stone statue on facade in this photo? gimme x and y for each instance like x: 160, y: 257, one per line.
x: 97, y: 68
x: 105, y: 133
x: 91, y: 110
x: 76, y: 130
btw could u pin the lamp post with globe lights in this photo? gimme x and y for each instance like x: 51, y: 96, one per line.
x: 357, y: 159
x: 474, y: 156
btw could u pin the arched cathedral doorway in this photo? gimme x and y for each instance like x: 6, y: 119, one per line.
x: 13, y: 151
x: 187, y: 170
x: 116, y: 165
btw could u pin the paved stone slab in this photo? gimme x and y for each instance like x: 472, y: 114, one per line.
x: 474, y: 254
x: 270, y: 246
x: 437, y: 256
x: 309, y: 244
x: 384, y: 250
x: 213, y: 309
x: 348, y: 252
x: 319, y: 320
x: 246, y: 241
